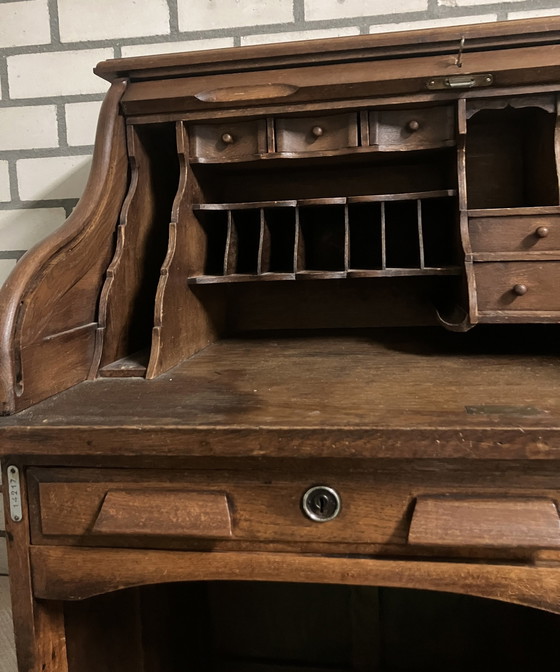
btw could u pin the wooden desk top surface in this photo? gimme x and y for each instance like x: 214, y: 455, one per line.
x: 389, y: 393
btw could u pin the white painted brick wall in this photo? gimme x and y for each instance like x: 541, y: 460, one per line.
x: 82, y: 20
x: 175, y: 47
x: 81, y: 122
x: 49, y: 98
x: 315, y: 10
x: 471, y: 3
x: 4, y: 183
x: 210, y: 14
x: 296, y: 36
x: 31, y: 127
x: 24, y: 23
x: 60, y: 73
x: 6, y: 267
x: 22, y: 228
x: 432, y: 23
x: 534, y: 13
x: 52, y: 177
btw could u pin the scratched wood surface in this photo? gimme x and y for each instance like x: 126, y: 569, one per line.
x: 421, y: 378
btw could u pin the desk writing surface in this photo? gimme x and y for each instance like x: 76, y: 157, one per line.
x: 383, y: 389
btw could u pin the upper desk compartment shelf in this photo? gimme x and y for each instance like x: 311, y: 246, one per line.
x: 330, y: 134
x: 420, y: 191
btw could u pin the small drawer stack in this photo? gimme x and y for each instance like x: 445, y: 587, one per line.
x: 516, y: 269
x: 326, y: 134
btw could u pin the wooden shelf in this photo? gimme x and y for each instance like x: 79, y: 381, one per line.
x: 336, y: 200
x: 520, y: 212
x: 349, y: 151
x: 365, y: 236
x: 365, y: 387
x: 319, y: 275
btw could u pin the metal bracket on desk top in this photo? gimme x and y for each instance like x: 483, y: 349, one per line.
x: 14, y: 494
x: 459, y: 82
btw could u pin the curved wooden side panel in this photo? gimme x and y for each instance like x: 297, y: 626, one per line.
x: 61, y: 573
x: 49, y: 303
x: 183, y: 325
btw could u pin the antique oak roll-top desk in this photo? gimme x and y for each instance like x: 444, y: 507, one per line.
x: 283, y: 393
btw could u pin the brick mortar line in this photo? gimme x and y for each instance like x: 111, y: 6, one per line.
x: 11, y: 255
x: 46, y: 152
x: 173, y: 17
x: 4, y: 86
x: 298, y: 10
x: 433, y: 12
x: 66, y: 203
x: 62, y: 131
x: 12, y: 177
x: 53, y: 22
x: 53, y: 100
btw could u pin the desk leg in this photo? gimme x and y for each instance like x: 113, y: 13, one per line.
x: 38, y: 624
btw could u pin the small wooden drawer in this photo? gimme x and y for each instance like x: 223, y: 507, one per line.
x: 215, y: 143
x: 518, y: 286
x: 515, y: 234
x: 316, y: 134
x: 412, y: 129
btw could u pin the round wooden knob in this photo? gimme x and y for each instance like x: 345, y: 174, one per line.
x: 520, y: 290
x: 228, y: 138
x: 413, y: 125
x: 317, y: 131
x: 542, y: 232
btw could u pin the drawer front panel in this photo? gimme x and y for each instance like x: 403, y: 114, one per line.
x: 515, y: 234
x: 412, y: 129
x: 112, y: 508
x: 227, y: 141
x: 316, y: 134
x: 518, y: 286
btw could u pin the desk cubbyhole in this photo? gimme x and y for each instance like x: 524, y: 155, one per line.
x: 243, y: 237
x: 403, y: 247
x: 510, y: 158
x: 215, y: 227
x: 322, y: 238
x: 440, y: 234
x: 366, y: 236
x: 279, y: 239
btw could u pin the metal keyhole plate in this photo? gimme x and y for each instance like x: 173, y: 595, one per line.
x: 321, y: 503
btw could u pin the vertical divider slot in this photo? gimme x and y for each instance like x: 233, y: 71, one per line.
x: 243, y: 258
x: 323, y: 232
x: 280, y: 233
x: 230, y: 255
x: 420, y: 233
x: 365, y: 229
x: 401, y: 231
x: 439, y: 232
x: 214, y: 224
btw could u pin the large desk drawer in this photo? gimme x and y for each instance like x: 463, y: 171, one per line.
x: 385, y: 507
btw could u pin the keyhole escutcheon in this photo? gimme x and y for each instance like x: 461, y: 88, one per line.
x: 321, y: 503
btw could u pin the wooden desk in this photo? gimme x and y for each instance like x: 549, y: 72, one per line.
x: 295, y: 354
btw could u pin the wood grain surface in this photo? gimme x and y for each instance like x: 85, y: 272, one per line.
x: 7, y: 647
x: 387, y: 393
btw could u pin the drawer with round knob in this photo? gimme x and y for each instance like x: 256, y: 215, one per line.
x: 511, y: 234
x: 412, y: 128
x: 518, y: 286
x: 233, y: 141
x: 296, y: 135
